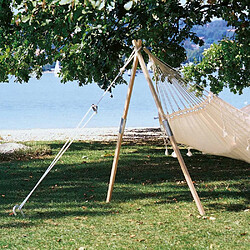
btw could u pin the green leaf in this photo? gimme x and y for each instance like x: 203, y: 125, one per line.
x: 25, y: 19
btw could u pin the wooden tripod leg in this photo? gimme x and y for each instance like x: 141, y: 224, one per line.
x: 187, y: 175
x: 169, y: 132
x: 121, y: 131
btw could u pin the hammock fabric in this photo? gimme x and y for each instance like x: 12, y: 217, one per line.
x: 204, y: 122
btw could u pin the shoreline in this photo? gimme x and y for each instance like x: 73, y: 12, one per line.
x: 85, y: 134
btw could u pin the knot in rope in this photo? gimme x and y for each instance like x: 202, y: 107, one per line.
x: 189, y: 153
x: 122, y: 70
x: 94, y: 107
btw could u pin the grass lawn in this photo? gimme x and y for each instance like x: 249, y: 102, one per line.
x: 151, y: 205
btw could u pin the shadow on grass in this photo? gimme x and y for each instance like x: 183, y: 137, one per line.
x: 60, y: 214
x: 229, y: 207
x: 16, y: 224
x: 140, y: 167
x: 82, y: 145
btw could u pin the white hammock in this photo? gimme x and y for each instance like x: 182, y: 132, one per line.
x: 204, y: 122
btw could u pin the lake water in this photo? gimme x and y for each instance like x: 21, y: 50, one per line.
x: 47, y: 103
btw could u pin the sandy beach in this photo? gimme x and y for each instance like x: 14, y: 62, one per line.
x: 86, y: 134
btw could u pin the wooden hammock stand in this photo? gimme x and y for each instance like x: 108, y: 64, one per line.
x: 138, y: 58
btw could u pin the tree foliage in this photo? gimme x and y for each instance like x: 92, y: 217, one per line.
x: 91, y: 39
x: 226, y: 64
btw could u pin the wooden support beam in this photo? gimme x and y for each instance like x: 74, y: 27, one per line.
x: 168, y: 129
x: 122, y: 127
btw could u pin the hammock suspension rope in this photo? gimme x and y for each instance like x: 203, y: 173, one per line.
x: 94, y: 108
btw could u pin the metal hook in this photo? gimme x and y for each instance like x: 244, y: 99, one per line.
x: 17, y: 207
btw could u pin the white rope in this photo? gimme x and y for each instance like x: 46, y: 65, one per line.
x: 74, y: 135
x: 57, y: 158
x: 120, y: 73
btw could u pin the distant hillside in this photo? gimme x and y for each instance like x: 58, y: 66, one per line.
x: 209, y: 33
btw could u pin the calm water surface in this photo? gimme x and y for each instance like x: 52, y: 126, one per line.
x: 47, y: 103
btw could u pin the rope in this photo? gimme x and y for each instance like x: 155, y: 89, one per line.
x: 180, y: 90
x: 167, y: 96
x: 177, y: 92
x: 58, y: 156
x: 74, y: 135
x: 164, y: 135
x: 195, y: 98
x: 177, y: 74
x: 163, y: 99
x: 172, y: 95
x: 188, y: 95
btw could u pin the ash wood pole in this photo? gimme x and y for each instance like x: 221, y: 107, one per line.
x: 122, y: 127
x: 169, y: 132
